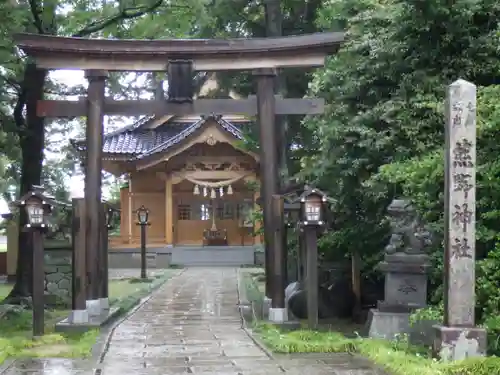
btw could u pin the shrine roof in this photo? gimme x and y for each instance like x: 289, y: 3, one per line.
x: 140, y: 140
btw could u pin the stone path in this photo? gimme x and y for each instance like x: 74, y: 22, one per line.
x: 192, y: 325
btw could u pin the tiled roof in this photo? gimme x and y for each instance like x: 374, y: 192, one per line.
x: 136, y: 141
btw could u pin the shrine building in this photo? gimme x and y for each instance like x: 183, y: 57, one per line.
x: 193, y: 175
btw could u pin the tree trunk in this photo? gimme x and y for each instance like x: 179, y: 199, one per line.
x: 31, y: 140
x: 31, y: 129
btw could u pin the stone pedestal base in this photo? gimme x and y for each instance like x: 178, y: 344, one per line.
x: 387, y: 325
x: 104, y: 303
x: 278, y: 315
x: 93, y: 307
x: 456, y: 343
x: 78, y: 317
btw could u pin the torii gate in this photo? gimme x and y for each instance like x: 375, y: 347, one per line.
x: 180, y: 58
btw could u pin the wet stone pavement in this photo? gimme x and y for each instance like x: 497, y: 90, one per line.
x: 192, y: 325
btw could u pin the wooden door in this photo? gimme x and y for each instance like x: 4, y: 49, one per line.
x: 193, y: 216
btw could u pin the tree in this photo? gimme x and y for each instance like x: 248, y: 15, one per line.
x: 247, y: 18
x: 53, y: 18
x: 385, y: 90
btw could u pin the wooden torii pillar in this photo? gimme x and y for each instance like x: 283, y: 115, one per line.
x: 181, y: 58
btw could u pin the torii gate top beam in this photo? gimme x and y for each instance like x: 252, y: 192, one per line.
x: 54, y: 52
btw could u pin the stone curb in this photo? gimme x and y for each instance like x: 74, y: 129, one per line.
x: 244, y: 325
x: 102, y: 346
x: 6, y: 365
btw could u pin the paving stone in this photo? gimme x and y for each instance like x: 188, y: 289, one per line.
x: 192, y: 326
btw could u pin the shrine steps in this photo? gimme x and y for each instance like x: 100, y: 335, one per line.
x: 185, y: 256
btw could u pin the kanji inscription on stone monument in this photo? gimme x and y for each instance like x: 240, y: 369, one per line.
x: 460, y: 203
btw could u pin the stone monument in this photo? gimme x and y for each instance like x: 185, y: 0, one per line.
x: 405, y: 266
x: 458, y: 337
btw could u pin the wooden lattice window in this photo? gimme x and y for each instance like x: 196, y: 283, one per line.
x: 225, y: 211
x: 184, y: 212
x: 205, y: 212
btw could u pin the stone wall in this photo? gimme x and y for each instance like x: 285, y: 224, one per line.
x: 58, y: 276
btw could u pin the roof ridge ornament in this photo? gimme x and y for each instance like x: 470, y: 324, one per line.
x: 211, y: 141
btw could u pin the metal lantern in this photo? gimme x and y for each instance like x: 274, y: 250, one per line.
x: 37, y: 206
x: 142, y: 215
x: 313, y: 207
x: 35, y: 211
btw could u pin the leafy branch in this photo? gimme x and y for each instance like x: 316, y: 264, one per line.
x: 123, y: 14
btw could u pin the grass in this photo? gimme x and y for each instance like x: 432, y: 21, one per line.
x: 396, y: 357
x: 16, y: 340
x: 4, y: 290
x: 15, y: 327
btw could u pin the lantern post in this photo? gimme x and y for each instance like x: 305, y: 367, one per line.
x: 313, y: 217
x: 37, y: 208
x: 142, y: 220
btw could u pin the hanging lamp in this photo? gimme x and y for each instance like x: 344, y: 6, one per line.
x: 213, y: 195
x: 205, y: 191
x: 196, y: 190
x: 221, y: 191
x: 229, y: 190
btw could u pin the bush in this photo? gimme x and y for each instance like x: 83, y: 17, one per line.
x: 488, y: 280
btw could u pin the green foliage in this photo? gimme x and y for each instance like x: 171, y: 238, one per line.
x: 422, y: 179
x: 246, y: 18
x: 488, y: 280
x: 381, y: 135
x: 432, y: 313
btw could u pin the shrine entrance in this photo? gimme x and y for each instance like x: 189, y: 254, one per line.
x: 180, y: 59
x: 206, y: 218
